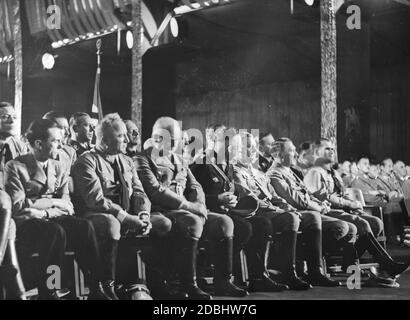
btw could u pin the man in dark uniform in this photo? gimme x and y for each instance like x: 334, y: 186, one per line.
x: 110, y: 194
x: 10, y: 148
x: 82, y: 132
x: 266, y: 143
x: 174, y: 191
x: 38, y: 187
x: 134, y: 139
x: 217, y: 180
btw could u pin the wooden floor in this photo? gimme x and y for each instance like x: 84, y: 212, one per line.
x: 343, y: 293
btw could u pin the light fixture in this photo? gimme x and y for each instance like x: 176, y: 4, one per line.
x: 48, y: 61
x: 130, y: 39
x: 174, y: 27
x: 310, y: 2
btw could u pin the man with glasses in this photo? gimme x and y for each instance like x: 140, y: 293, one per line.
x: 82, y: 132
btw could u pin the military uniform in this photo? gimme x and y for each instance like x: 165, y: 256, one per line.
x: 79, y: 148
x: 169, y: 183
x: 327, y: 185
x: 33, y: 186
x: 264, y: 163
x: 292, y: 189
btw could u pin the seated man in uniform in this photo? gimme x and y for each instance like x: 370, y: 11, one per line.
x: 10, y: 147
x: 174, y: 191
x: 252, y: 232
x: 377, y: 192
x: 291, y: 188
x: 82, y: 132
x: 326, y: 185
x: 38, y: 187
x: 109, y: 194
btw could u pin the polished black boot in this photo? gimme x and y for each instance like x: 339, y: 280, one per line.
x: 386, y: 262
x: 288, y: 260
x: 109, y: 252
x: 313, y: 254
x: 187, y: 270
x: 350, y: 256
x: 223, y: 270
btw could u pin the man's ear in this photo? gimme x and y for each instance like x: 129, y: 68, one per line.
x: 38, y: 144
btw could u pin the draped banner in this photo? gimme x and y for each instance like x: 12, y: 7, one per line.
x: 6, y: 30
x: 84, y: 19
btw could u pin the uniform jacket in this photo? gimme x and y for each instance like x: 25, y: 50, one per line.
x: 291, y: 188
x: 167, y: 182
x: 97, y: 190
x: 214, y: 182
x: 30, y: 187
x: 366, y: 185
x: 15, y: 148
x: 325, y: 186
x: 250, y: 181
x: 79, y: 148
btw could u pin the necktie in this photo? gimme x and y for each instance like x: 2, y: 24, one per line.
x: 124, y: 195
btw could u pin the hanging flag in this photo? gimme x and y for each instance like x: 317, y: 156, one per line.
x: 96, y: 110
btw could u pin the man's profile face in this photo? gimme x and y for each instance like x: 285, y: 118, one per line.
x: 116, y: 139
x: 48, y: 148
x: 400, y: 169
x: 373, y: 172
x: 8, y: 120
x: 363, y: 166
x: 85, y: 129
x: 346, y: 167
x: 168, y: 141
x: 289, y: 155
x: 266, y: 145
x: 387, y: 166
x: 62, y: 123
x: 327, y: 151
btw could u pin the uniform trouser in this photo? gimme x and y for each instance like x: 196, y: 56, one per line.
x: 188, y: 228
x: 51, y: 238
x: 109, y: 231
x: 364, y: 222
x: 395, y: 217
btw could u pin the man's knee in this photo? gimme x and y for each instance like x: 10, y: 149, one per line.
x: 290, y: 222
x: 363, y: 226
x: 190, y: 225
x: 106, y: 226
x: 5, y: 202
x: 376, y: 225
x: 161, y: 225
x: 220, y: 226
x: 311, y: 220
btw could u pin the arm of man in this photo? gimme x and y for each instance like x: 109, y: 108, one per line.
x: 164, y: 197
x: 291, y: 196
